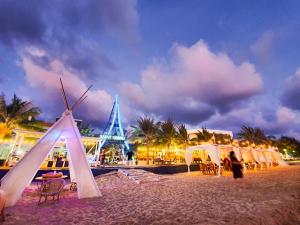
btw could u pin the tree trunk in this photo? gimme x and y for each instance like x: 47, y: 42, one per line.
x: 147, y: 155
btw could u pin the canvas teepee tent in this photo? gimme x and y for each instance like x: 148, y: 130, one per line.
x: 15, y: 181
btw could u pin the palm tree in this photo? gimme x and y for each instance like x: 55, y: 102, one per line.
x: 289, y: 145
x: 272, y: 140
x: 223, y: 139
x: 145, y: 132
x: 252, y: 135
x: 86, y: 130
x: 168, y: 133
x: 204, y: 135
x: 183, y: 137
x: 18, y: 114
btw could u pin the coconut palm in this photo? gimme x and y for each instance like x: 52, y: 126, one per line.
x: 203, y: 135
x: 183, y: 137
x: 168, y: 133
x: 18, y: 114
x: 252, y: 135
x: 272, y: 140
x: 87, y: 131
x: 145, y: 133
x: 223, y: 139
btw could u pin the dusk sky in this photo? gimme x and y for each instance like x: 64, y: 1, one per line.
x: 218, y: 64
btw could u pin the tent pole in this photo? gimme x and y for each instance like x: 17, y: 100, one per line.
x: 16, y: 141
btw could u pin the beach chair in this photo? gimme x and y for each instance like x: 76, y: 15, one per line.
x: 50, y: 164
x: 51, y: 188
x: 59, y: 164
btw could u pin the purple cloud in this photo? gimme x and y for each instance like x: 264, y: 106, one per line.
x: 68, y: 30
x: 193, y: 84
x: 45, y: 82
x: 263, y: 47
x: 292, y: 91
x: 281, y: 122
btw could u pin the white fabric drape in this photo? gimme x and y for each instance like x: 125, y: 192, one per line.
x: 238, y: 153
x: 247, y: 155
x: 21, y: 175
x: 188, y: 158
x: 255, y: 156
x: 86, y: 185
x: 261, y: 156
x: 213, y: 152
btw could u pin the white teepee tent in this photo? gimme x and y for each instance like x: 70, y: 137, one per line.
x: 15, y: 181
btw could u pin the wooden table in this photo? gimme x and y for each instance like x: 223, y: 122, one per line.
x: 47, y: 178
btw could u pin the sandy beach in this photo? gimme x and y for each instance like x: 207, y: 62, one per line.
x: 269, y: 197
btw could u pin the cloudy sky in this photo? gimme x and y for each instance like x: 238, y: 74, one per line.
x: 219, y: 64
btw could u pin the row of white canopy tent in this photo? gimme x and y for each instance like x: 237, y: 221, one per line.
x: 248, y: 154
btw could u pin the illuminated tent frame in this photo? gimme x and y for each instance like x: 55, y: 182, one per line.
x: 113, y: 131
x: 268, y: 156
x: 21, y: 175
x: 212, y: 151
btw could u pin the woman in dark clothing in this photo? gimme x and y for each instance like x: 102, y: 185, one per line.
x: 236, y: 166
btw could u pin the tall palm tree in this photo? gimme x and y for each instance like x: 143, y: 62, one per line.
x: 204, y: 135
x: 183, y: 137
x: 272, y: 140
x: 252, y: 135
x: 87, y: 131
x: 168, y: 133
x: 145, y: 132
x: 18, y: 114
x: 223, y: 139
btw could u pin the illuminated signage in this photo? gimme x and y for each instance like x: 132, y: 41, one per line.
x: 112, y: 137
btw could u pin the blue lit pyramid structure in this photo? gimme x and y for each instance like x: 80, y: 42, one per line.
x: 113, y: 132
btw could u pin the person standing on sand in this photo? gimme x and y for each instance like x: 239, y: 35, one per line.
x: 236, y: 166
x: 129, y: 158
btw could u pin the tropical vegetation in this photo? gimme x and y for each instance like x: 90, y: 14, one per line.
x: 256, y: 136
x: 145, y: 133
x: 18, y: 114
x: 87, y: 130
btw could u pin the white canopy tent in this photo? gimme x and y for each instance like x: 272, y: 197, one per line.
x: 212, y: 151
x: 21, y: 175
x: 216, y: 152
